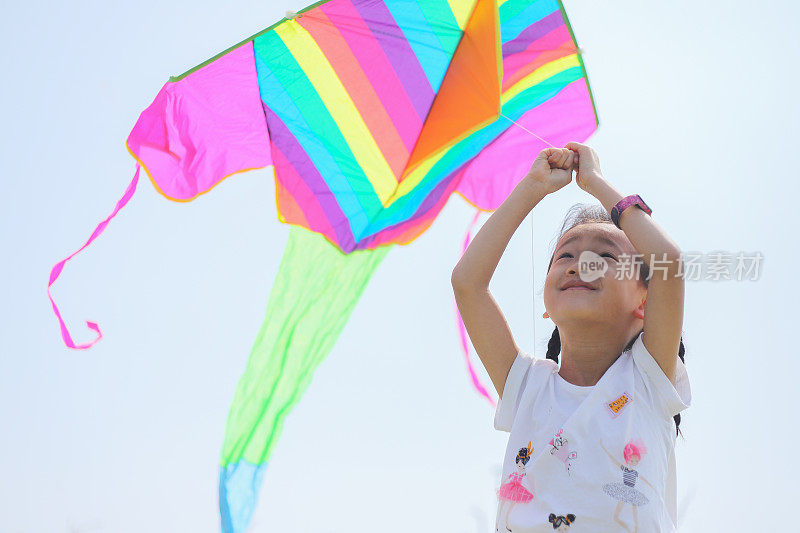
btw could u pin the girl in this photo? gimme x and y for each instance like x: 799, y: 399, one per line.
x: 625, y: 492
x: 618, y: 332
x: 513, y: 490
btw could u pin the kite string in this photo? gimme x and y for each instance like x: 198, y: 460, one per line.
x: 533, y: 289
x: 529, y: 131
x: 533, y: 273
x: 461, y: 329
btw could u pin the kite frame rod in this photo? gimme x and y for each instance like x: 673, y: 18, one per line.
x: 237, y: 45
x: 312, y: 6
x: 580, y: 58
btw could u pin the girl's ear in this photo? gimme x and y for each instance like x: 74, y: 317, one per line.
x: 639, y: 311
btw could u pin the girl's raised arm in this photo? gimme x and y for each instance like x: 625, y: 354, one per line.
x: 663, y: 307
x: 485, y: 323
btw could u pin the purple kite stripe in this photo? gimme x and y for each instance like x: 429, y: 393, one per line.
x: 443, y: 188
x: 291, y: 149
x: 539, y: 29
x: 404, y: 61
x: 557, y: 39
x: 378, y: 69
x: 302, y: 196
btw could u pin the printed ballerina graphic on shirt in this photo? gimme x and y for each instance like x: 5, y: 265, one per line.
x: 625, y: 492
x: 513, y: 491
x: 561, y: 523
x: 560, y: 450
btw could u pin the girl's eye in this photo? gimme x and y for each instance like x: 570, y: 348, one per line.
x: 565, y: 254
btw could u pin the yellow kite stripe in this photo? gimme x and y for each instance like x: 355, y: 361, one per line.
x: 540, y: 74
x: 462, y: 10
x: 335, y: 98
x: 417, y: 175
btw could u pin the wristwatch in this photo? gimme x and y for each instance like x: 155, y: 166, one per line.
x: 622, y: 205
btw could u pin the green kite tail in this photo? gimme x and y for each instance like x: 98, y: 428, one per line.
x: 315, y: 291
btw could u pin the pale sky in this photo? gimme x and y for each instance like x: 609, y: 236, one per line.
x: 698, y: 114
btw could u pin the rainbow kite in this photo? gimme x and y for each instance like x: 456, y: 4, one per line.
x: 372, y: 113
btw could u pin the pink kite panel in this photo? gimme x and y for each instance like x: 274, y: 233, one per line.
x: 486, y: 187
x: 204, y: 127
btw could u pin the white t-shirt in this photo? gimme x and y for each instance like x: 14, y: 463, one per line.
x: 557, y: 474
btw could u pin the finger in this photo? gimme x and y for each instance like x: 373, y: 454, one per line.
x: 560, y: 160
x: 570, y: 160
x: 545, y: 155
x: 565, y: 161
x: 556, y: 160
x: 575, y: 155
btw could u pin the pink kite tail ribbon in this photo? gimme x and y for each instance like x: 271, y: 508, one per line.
x: 462, y: 332
x: 56, y: 270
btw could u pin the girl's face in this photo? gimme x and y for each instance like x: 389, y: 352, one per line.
x: 608, y: 298
x: 520, y: 467
x: 633, y: 460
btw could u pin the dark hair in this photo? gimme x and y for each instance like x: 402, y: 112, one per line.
x: 523, y: 456
x: 586, y: 214
x: 558, y: 520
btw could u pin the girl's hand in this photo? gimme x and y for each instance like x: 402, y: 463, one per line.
x: 552, y: 168
x: 587, y: 165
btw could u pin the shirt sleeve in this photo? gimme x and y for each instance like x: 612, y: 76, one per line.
x: 671, y: 399
x: 512, y: 392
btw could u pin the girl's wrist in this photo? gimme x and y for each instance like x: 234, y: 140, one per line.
x: 534, y: 189
x: 605, y: 193
x: 539, y: 188
x: 595, y: 185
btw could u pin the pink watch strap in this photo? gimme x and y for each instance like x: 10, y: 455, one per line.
x: 622, y: 205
